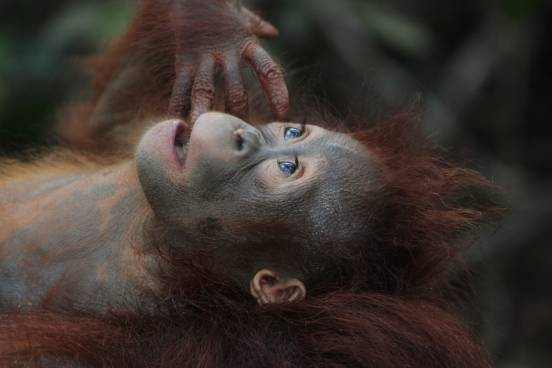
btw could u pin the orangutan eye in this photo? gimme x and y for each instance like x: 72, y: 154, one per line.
x: 292, y: 133
x: 288, y: 168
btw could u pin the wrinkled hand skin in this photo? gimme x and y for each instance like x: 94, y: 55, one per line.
x: 221, y: 36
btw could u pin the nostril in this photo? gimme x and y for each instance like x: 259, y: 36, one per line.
x: 245, y: 141
x: 238, y: 139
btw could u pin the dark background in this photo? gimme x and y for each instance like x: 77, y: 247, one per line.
x: 479, y: 71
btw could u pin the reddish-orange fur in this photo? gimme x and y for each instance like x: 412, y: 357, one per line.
x: 390, y: 306
x: 341, y: 329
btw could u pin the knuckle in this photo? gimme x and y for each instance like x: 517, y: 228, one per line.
x: 237, y: 94
x: 180, y: 92
x: 248, y: 47
x: 280, y: 104
x: 239, y: 110
x: 204, y: 89
x: 271, y: 71
x: 176, y: 105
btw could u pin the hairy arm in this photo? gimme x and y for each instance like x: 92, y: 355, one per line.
x: 166, y: 66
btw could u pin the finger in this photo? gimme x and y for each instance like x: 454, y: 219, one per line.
x: 266, y: 30
x: 235, y: 95
x: 203, y: 90
x: 260, y: 27
x: 179, y: 105
x: 272, y: 80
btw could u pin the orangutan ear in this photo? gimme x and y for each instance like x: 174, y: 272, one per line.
x: 267, y: 287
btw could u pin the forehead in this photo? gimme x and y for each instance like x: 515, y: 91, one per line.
x: 347, y: 181
x: 338, y: 151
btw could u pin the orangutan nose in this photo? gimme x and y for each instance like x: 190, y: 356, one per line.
x: 223, y: 137
x: 247, y: 140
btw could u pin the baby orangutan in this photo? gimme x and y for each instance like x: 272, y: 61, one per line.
x: 171, y: 235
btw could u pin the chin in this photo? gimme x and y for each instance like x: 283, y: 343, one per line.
x: 159, y: 167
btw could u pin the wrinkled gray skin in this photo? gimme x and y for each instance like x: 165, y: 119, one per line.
x: 229, y: 176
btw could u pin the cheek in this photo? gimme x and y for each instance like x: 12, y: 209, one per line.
x: 267, y: 177
x: 210, y: 226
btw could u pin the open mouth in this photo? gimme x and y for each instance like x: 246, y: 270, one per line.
x: 181, y: 138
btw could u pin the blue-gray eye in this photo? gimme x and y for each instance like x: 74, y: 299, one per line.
x: 292, y: 133
x: 288, y: 168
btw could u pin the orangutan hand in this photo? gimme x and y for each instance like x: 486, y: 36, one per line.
x: 220, y: 36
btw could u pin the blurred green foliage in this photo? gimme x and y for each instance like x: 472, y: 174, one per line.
x: 39, y: 64
x: 520, y: 9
